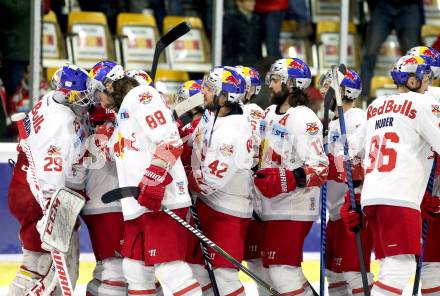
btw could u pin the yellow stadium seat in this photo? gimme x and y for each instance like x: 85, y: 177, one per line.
x: 138, y: 35
x: 54, y: 48
x: 388, y: 53
x: 191, y: 52
x: 90, y: 38
x: 169, y: 81
x: 293, y: 47
x: 323, y: 10
x: 382, y: 85
x: 327, y: 34
x: 430, y: 34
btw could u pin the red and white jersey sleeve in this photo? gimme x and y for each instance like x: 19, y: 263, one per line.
x: 224, y: 166
x: 56, y: 140
x: 143, y: 123
x: 401, y: 129
x: 254, y: 113
x: 293, y: 140
x: 355, y: 124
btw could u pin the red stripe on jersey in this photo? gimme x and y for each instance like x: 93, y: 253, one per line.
x: 431, y: 290
x: 236, y: 292
x: 142, y: 292
x: 388, y: 288
x: 186, y: 290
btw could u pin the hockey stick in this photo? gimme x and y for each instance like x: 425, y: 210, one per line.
x: 206, y: 259
x: 133, y: 191
x: 327, y: 99
x: 430, y: 186
x: 174, y: 34
x: 338, y: 74
x: 24, y: 125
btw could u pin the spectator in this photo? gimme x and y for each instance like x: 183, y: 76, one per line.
x: 436, y: 44
x: 110, y: 8
x: 272, y: 14
x: 299, y: 11
x: 402, y: 15
x: 241, y: 35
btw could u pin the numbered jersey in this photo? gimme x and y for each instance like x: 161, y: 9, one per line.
x: 293, y: 140
x: 355, y: 124
x: 401, y: 129
x: 57, y: 141
x: 254, y: 113
x: 142, y: 124
x: 223, y: 163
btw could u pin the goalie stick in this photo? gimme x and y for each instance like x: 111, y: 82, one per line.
x: 62, y: 273
x: 327, y: 100
x: 338, y: 74
x: 430, y: 186
x: 174, y: 34
x: 133, y: 191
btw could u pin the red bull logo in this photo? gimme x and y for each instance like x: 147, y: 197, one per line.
x: 230, y: 78
x: 312, y: 128
x: 349, y: 74
x: 95, y: 70
x: 427, y: 52
x: 54, y: 150
x: 295, y: 64
x: 411, y: 61
x: 123, y: 143
x: 145, y: 98
x: 435, y: 110
x: 195, y: 85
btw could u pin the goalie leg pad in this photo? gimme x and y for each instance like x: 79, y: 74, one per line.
x: 178, y: 277
x: 58, y: 223
x: 430, y: 278
x: 256, y: 266
x: 287, y: 279
x: 72, y: 258
x: 140, y: 278
x: 394, y: 273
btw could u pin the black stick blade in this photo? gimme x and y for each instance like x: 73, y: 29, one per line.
x: 175, y: 33
x: 119, y: 193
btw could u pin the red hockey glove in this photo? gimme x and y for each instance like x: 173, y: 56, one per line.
x: 152, y: 187
x: 351, y: 218
x: 274, y: 181
x: 430, y: 206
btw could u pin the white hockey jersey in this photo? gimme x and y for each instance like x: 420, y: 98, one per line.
x: 56, y: 139
x: 401, y: 129
x: 254, y: 113
x: 101, y: 175
x: 355, y: 124
x: 143, y: 123
x: 433, y: 91
x: 292, y: 140
x: 224, y: 166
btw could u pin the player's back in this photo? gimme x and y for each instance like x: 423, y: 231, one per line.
x: 398, y: 156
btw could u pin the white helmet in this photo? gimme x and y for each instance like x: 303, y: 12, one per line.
x: 227, y: 82
x: 141, y: 76
x: 292, y: 69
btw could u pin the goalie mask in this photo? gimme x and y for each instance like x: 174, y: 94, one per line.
x: 72, y: 86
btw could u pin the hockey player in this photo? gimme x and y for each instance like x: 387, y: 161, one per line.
x: 254, y: 233
x: 56, y: 139
x: 401, y: 129
x: 221, y: 176
x: 104, y: 221
x: 146, y: 147
x: 293, y: 166
x: 343, y: 270
x: 430, y: 275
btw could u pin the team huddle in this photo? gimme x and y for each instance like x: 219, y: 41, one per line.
x: 249, y: 179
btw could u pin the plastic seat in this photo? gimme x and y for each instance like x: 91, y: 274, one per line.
x: 430, y: 34
x: 191, y: 52
x: 54, y: 46
x: 389, y: 52
x: 169, y: 81
x: 137, y: 37
x: 90, y: 39
x: 382, y: 85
